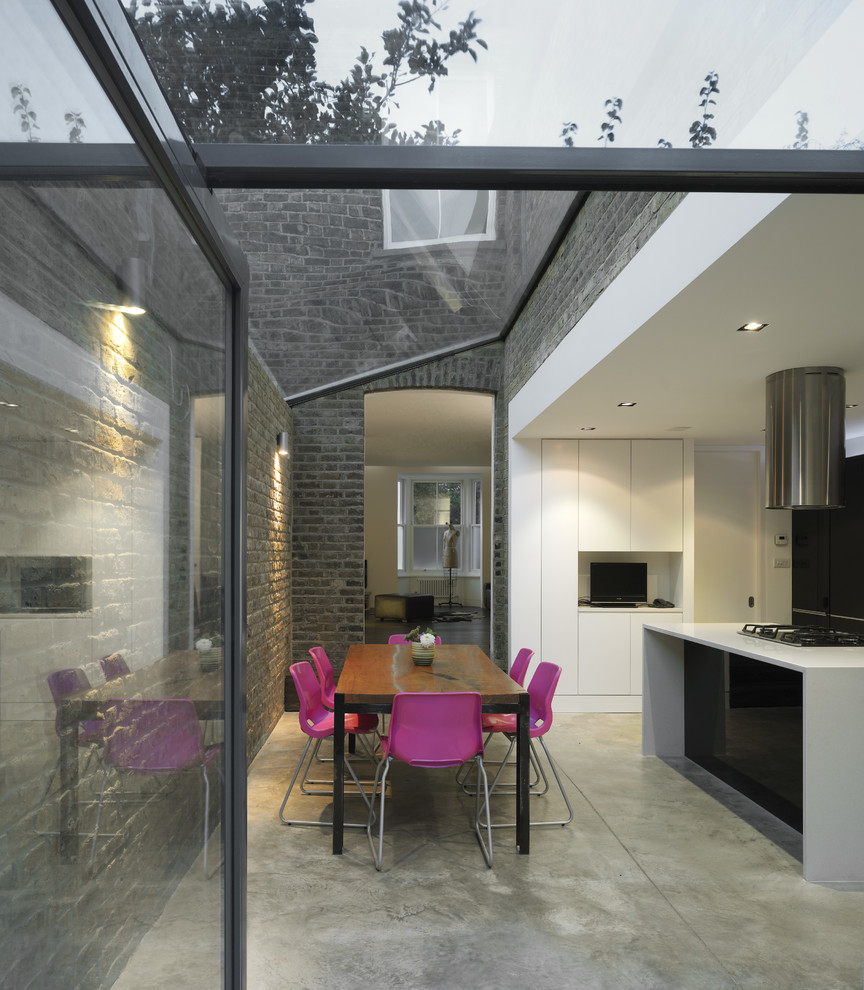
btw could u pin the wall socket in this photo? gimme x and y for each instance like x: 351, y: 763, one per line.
x: 782, y: 562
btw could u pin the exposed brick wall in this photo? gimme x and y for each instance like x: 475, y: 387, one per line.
x: 268, y: 556
x: 605, y: 236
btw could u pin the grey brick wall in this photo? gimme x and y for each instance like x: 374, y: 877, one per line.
x: 268, y: 556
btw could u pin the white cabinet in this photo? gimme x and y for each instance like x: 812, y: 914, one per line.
x: 631, y: 495
x: 604, y: 653
x: 609, y: 660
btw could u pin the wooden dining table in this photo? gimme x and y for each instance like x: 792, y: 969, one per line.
x: 177, y: 675
x: 374, y: 673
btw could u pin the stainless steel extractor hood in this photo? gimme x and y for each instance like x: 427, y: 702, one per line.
x: 805, y: 438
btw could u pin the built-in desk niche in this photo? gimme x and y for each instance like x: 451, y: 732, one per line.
x: 744, y: 724
x: 39, y: 585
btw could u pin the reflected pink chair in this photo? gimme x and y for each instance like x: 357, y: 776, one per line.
x: 541, y: 691
x: 156, y: 738
x: 433, y: 730
x: 317, y: 723
x: 397, y: 638
x: 114, y: 666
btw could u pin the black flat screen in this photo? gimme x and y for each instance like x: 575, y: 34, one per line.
x: 616, y: 583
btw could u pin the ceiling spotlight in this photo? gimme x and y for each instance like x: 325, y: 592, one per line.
x: 626, y: 404
x: 752, y: 327
x: 851, y: 405
x: 9, y: 405
x: 587, y: 428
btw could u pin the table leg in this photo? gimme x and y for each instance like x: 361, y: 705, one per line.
x: 68, y: 825
x: 338, y: 773
x: 523, y: 798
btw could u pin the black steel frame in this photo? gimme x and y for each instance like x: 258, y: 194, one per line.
x: 189, y: 175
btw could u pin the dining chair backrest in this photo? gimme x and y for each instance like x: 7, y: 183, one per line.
x: 61, y: 684
x: 436, y: 729
x: 325, y: 675
x: 152, y: 737
x: 315, y: 720
x: 541, y: 691
x: 519, y: 668
x: 397, y: 638
x: 114, y: 666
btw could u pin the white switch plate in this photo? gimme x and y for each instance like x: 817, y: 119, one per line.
x: 782, y: 562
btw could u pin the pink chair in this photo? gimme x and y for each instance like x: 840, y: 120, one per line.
x: 397, y: 638
x: 433, y: 730
x: 157, y: 738
x: 517, y: 673
x: 114, y: 666
x: 519, y: 667
x: 317, y: 723
x: 541, y: 691
x: 325, y: 676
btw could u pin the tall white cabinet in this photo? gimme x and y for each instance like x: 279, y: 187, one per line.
x: 628, y: 500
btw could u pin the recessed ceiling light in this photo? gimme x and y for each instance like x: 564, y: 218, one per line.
x: 587, y: 427
x: 851, y: 405
x: 752, y: 327
x: 678, y: 429
x: 9, y: 405
x: 620, y: 404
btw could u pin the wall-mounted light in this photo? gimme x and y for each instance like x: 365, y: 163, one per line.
x: 130, y: 289
x: 283, y: 444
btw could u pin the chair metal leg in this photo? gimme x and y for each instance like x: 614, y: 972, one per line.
x: 378, y: 855
x: 300, y: 764
x: 306, y: 779
x: 563, y: 821
x: 485, y: 848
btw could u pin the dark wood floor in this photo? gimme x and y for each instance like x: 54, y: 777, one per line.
x: 473, y: 630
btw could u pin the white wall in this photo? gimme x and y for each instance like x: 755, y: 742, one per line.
x: 380, y: 526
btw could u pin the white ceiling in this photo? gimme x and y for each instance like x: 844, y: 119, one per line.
x: 800, y: 271
x: 429, y: 427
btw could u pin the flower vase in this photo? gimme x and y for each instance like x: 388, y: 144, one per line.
x: 422, y: 655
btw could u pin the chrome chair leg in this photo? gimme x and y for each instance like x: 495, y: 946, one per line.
x: 300, y: 764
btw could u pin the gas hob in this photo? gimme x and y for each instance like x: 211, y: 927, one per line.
x: 801, y: 635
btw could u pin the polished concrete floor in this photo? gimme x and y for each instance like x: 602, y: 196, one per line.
x: 655, y: 884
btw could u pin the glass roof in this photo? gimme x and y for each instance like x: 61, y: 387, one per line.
x: 51, y: 95
x: 679, y: 73
x: 350, y: 284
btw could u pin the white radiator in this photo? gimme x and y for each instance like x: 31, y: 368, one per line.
x: 437, y: 586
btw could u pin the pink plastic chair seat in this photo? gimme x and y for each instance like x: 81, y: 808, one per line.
x: 68, y: 681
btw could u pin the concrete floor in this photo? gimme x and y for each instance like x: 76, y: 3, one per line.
x: 655, y: 884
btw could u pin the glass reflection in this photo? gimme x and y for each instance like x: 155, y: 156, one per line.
x: 673, y: 73
x: 111, y: 480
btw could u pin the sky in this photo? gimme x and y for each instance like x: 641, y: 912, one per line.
x: 548, y: 62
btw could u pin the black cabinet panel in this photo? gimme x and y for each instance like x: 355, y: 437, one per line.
x: 828, y: 559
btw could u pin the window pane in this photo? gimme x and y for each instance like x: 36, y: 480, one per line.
x: 427, y: 543
x: 400, y: 548
x: 478, y: 502
x: 476, y: 548
x: 425, y: 502
x: 414, y: 215
x: 450, y: 502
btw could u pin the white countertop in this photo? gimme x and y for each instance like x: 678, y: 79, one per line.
x: 726, y: 636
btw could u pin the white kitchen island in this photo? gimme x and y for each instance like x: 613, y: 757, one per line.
x: 833, y: 713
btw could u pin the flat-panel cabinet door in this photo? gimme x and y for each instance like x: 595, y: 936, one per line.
x: 657, y: 489
x: 604, y: 495
x: 604, y: 653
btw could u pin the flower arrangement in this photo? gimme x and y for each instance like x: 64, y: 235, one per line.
x: 425, y: 639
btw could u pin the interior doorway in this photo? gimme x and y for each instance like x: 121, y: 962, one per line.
x: 428, y: 472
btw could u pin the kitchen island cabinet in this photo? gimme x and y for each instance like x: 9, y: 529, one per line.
x: 678, y: 657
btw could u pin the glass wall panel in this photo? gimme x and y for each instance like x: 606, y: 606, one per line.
x: 111, y: 476
x: 112, y: 396
x: 681, y: 73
